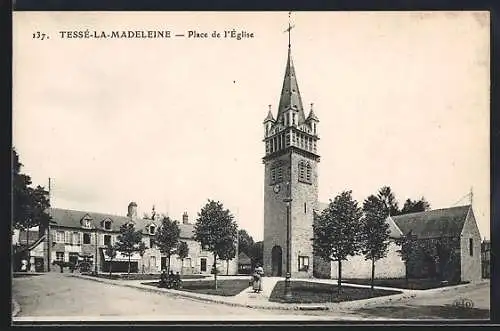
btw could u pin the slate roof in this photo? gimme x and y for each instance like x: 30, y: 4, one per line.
x: 244, y: 259
x: 72, y: 219
x: 434, y: 223
x: 290, y: 95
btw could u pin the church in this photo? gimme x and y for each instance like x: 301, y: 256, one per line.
x: 291, y: 202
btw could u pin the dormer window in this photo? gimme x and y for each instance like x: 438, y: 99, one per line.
x: 107, y: 225
x: 152, y: 229
x: 86, y: 222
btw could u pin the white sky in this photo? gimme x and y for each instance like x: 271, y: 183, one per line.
x: 403, y: 100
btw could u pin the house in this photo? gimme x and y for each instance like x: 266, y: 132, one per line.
x: 28, y: 245
x: 244, y: 264
x: 449, y: 234
x: 83, y: 236
x: 485, y: 258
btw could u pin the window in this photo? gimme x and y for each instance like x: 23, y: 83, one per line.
x: 305, y: 172
x: 293, y: 119
x: 308, y: 173
x: 107, y: 225
x: 60, y: 256
x: 107, y: 239
x: 67, y: 237
x: 471, y: 247
x: 303, y: 263
x: 302, y: 170
x: 203, y: 262
x: 151, y: 242
x: 273, y: 175
x: 152, y: 229
x: 76, y: 238
x: 86, y: 238
x: 60, y: 236
x: 279, y: 175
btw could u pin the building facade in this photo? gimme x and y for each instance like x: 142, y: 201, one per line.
x: 83, y: 236
x: 290, y: 181
x: 453, y: 231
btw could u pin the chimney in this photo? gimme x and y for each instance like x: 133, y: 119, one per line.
x: 185, y: 219
x: 132, y: 210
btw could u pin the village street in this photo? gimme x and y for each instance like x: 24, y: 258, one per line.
x: 54, y: 296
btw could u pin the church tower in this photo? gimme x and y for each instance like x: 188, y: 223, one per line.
x: 290, y: 180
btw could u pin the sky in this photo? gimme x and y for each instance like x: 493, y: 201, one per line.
x: 402, y: 98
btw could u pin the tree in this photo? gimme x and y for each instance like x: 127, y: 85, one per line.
x: 30, y: 205
x: 374, y: 231
x: 227, y: 251
x: 183, y: 252
x: 387, y: 196
x: 110, y: 251
x: 409, y: 251
x: 129, y: 241
x: 257, y: 253
x: 245, y: 242
x: 336, y: 231
x: 415, y: 206
x: 214, y: 227
x: 167, y: 238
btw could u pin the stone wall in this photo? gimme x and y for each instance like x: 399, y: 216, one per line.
x: 357, y: 267
x: 470, y: 265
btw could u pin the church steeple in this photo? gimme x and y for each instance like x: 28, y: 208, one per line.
x: 290, y: 129
x: 290, y: 105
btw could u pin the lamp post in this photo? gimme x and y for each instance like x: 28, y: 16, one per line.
x: 288, y: 287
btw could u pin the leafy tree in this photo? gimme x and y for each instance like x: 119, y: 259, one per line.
x: 214, y: 227
x: 183, y: 252
x: 387, y: 196
x: 374, y: 231
x: 167, y: 238
x: 257, y: 253
x: 228, y: 252
x: 336, y: 232
x: 415, y: 206
x: 111, y: 252
x: 30, y: 205
x: 129, y: 241
x: 245, y: 242
x: 409, y: 250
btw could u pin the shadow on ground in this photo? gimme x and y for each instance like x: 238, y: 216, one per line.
x: 426, y: 312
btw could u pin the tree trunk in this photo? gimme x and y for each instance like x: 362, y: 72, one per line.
x: 215, y: 270
x: 373, y: 272
x: 168, y: 264
x: 28, y: 267
x: 128, y: 273
x: 227, y: 268
x: 182, y: 265
x: 406, y: 273
x: 110, y: 266
x: 339, y: 286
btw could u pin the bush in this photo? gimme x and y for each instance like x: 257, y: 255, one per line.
x: 216, y: 270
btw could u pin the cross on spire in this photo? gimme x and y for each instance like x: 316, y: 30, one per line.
x: 290, y: 27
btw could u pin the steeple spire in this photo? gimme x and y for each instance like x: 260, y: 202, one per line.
x: 290, y: 94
